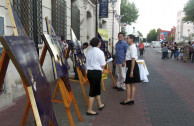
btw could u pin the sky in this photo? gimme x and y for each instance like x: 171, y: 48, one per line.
x: 154, y: 14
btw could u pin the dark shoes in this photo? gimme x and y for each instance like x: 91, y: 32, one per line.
x: 127, y: 103
x: 115, y: 87
x: 101, y: 107
x: 87, y: 113
x: 120, y: 89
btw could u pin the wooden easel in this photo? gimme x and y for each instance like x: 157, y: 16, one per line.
x: 4, y: 61
x: 67, y: 96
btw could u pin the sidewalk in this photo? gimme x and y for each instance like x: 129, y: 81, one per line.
x: 167, y: 100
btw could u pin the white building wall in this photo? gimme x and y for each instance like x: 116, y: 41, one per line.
x: 182, y: 27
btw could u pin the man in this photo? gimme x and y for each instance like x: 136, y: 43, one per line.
x: 121, y: 49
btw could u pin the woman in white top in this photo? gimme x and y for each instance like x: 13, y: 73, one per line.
x: 132, y: 75
x: 95, y: 61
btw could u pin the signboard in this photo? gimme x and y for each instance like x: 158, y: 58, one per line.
x: 54, y: 46
x: 79, y: 58
x: 104, y: 36
x: 163, y: 35
x: 22, y: 52
x: 103, y: 9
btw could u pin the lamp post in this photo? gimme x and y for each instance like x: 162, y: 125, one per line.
x: 113, y: 6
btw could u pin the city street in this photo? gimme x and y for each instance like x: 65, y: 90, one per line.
x: 167, y: 100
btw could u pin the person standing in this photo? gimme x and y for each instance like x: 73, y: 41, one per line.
x: 190, y: 50
x: 121, y: 49
x: 173, y: 50
x: 186, y: 52
x: 95, y: 61
x: 141, y: 48
x: 132, y: 75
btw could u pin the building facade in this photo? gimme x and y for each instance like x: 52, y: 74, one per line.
x: 184, y: 29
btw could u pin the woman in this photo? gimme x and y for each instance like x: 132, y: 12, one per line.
x: 132, y: 75
x: 186, y: 52
x: 141, y: 48
x: 95, y: 61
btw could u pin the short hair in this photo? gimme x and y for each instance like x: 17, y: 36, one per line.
x: 95, y: 41
x: 189, y: 42
x: 132, y: 37
x: 62, y: 38
x: 120, y: 33
x: 86, y: 44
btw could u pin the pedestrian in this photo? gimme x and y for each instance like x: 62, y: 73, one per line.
x: 95, y: 61
x: 141, y: 48
x: 186, y: 52
x: 193, y: 52
x: 121, y: 49
x: 64, y: 44
x: 164, y: 51
x: 132, y: 74
x: 85, y: 48
x: 181, y: 53
x: 190, y: 50
x: 173, y: 50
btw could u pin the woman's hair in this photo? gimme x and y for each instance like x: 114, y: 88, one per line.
x: 62, y: 38
x: 132, y: 37
x: 95, y: 41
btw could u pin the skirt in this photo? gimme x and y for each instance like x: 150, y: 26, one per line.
x: 136, y: 75
x: 94, y: 77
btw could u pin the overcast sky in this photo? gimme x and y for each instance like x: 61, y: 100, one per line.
x: 155, y: 14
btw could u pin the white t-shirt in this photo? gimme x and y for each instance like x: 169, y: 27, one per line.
x: 95, y: 59
x: 131, y: 52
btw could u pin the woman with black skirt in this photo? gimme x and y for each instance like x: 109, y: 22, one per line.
x: 95, y: 61
x: 132, y: 75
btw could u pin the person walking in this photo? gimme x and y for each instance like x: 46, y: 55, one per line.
x: 164, y: 51
x: 190, y: 50
x: 121, y: 49
x: 141, y: 48
x: 95, y: 61
x: 186, y: 52
x: 132, y: 75
x: 173, y: 50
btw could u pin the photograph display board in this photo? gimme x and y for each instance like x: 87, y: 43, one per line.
x: 22, y: 52
x: 54, y: 46
x: 79, y: 58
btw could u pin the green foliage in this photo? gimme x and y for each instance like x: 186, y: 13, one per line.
x: 129, y: 11
x: 152, y: 35
x: 189, y: 11
x: 169, y: 38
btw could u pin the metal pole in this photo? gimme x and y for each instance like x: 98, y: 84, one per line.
x: 96, y: 18
x: 113, y: 33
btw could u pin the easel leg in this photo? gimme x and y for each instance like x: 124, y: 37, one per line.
x: 103, y: 87
x: 77, y: 109
x: 69, y: 116
x: 111, y: 75
x: 26, y: 113
x: 82, y: 86
x: 56, y: 91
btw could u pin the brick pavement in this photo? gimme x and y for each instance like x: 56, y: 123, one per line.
x: 167, y: 100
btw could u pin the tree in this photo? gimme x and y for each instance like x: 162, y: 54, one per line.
x: 129, y: 12
x: 152, y: 35
x: 189, y: 9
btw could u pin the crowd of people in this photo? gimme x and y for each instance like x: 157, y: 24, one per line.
x: 184, y: 52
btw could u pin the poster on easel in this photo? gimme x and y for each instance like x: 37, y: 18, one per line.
x: 22, y: 52
x: 79, y: 58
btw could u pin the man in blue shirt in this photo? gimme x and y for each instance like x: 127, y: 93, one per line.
x: 121, y: 49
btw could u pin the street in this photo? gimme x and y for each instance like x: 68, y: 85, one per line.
x: 167, y: 100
